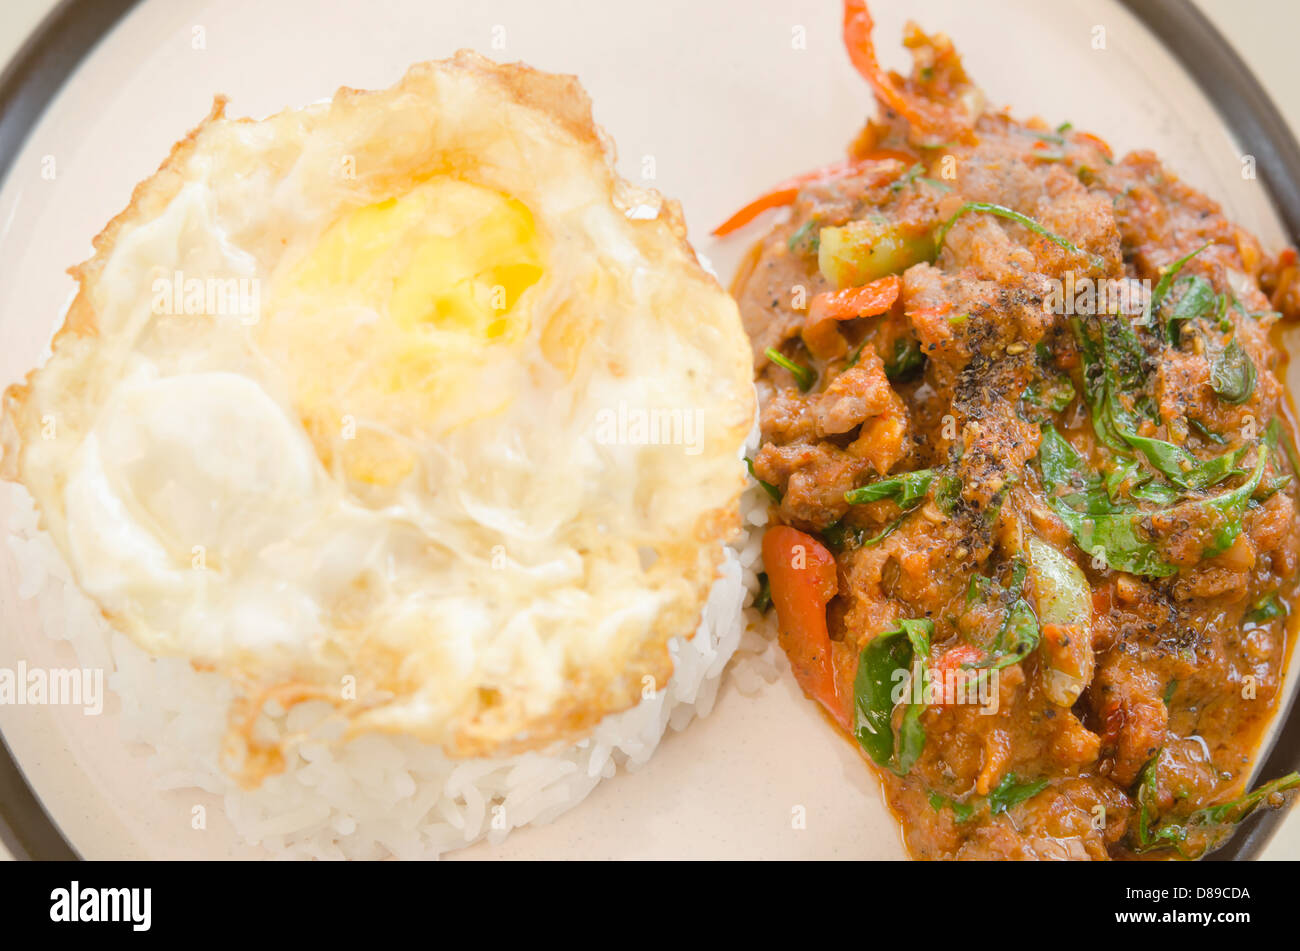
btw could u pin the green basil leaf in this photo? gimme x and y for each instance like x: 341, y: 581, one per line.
x: 888, y: 530
x: 808, y: 231
x: 772, y: 491
x: 763, y: 599
x: 1211, y: 824
x: 840, y: 535
x: 907, y: 178
x: 1271, y: 487
x: 911, y: 737
x: 947, y: 493
x: 1009, y: 793
x: 1017, y: 638
x: 1182, y: 468
x: 1113, y: 360
x: 1235, y: 810
x: 1060, y: 462
x: 873, y: 693
x: 1232, y: 374
x: 911, y: 734
x: 1281, y: 436
x: 1167, y: 279
x: 1058, y: 395
x: 1157, y: 493
x: 907, y: 359
x: 1124, y: 471
x: 1230, y: 508
x: 1197, y: 300
x: 1113, y: 365
x: 1205, y: 433
x: 1149, y: 836
x: 961, y: 811
x: 906, y: 489
x: 1118, y: 541
x: 979, y: 588
x: 1267, y: 608
x: 1102, y: 529
x: 856, y: 355
x: 873, y: 688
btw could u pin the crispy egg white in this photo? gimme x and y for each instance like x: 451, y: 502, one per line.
x: 326, y: 414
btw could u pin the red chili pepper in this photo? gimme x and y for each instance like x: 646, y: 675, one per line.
x: 1097, y: 141
x: 787, y: 191
x: 868, y: 300
x: 862, y: 53
x: 801, y: 573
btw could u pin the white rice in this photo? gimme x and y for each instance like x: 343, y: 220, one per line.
x: 381, y: 796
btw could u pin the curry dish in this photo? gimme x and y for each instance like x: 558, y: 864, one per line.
x: 1034, y: 539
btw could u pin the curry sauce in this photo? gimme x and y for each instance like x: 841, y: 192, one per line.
x: 1034, y: 540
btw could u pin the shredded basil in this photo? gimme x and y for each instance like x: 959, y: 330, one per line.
x: 802, y: 233
x: 1006, y: 795
x: 804, y: 376
x: 906, y: 178
x: 947, y: 493
x: 1167, y: 279
x: 1205, y: 433
x: 1011, y: 215
x: 773, y: 492
x: 935, y: 183
x: 1282, y: 436
x: 839, y: 535
x: 1100, y: 527
x: 1197, y: 300
x: 1267, y: 608
x: 907, y: 359
x: 961, y: 811
x: 1017, y: 638
x: 1212, y: 823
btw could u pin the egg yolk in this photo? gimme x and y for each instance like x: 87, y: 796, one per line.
x: 448, y: 254
x: 386, y: 320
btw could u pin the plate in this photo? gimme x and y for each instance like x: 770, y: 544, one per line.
x: 710, y: 103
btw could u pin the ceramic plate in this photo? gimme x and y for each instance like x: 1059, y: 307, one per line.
x: 708, y: 102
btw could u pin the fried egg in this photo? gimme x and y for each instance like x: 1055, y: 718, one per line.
x: 404, y: 401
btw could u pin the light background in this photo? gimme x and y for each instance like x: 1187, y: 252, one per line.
x: 1262, y: 31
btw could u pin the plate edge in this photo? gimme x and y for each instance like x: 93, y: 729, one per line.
x: 67, y: 35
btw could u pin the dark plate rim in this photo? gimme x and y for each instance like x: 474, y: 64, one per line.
x: 67, y: 35
x: 29, y: 83
x: 1259, y: 128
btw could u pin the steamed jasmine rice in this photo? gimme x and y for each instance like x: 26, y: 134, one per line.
x: 380, y: 796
